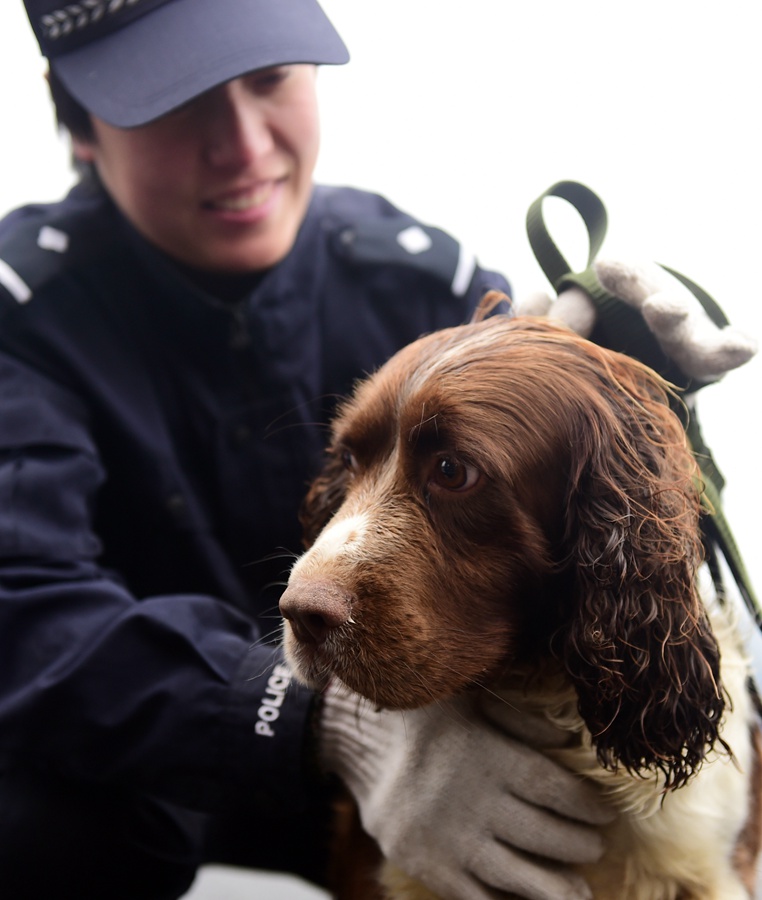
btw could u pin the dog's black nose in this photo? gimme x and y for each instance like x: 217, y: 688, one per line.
x: 314, y: 609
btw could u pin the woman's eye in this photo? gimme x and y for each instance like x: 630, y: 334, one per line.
x: 452, y: 474
x: 266, y: 80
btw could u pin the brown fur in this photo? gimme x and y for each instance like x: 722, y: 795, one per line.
x: 532, y: 501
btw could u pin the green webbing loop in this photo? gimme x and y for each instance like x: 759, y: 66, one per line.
x: 593, y: 213
x: 622, y: 328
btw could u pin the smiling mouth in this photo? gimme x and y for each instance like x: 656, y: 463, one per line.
x: 244, y: 201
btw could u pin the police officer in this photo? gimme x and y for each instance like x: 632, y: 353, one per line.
x: 173, y: 336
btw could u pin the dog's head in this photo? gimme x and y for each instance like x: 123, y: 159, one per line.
x: 503, y: 492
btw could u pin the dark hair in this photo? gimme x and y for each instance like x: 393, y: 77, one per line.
x: 70, y: 114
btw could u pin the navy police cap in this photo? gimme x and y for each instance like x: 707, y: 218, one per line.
x: 130, y: 61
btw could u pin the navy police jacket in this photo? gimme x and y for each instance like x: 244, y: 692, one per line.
x: 155, y: 444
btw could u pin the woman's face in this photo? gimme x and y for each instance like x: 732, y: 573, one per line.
x: 222, y: 183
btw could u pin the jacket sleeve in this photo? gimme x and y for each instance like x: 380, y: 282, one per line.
x: 171, y: 694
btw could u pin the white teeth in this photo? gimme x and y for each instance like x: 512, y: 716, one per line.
x: 245, y: 201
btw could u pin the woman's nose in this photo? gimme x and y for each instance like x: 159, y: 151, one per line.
x: 238, y: 129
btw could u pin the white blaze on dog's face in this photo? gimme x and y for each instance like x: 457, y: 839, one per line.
x: 423, y: 571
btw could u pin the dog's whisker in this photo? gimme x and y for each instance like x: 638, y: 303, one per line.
x: 485, y: 688
x: 276, y: 425
x: 280, y: 553
x: 270, y: 638
x: 269, y: 665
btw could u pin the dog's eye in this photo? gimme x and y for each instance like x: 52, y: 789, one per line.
x: 453, y: 475
x: 348, y: 460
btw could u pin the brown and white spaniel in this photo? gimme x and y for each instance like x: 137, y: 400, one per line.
x: 508, y: 505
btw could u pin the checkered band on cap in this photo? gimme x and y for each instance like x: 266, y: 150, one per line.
x: 63, y: 27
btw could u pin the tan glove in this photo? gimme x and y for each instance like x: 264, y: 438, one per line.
x: 456, y: 803
x: 674, y: 316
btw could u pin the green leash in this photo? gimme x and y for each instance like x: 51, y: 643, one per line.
x: 620, y: 327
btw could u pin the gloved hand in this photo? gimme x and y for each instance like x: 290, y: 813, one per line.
x: 677, y: 320
x: 459, y: 805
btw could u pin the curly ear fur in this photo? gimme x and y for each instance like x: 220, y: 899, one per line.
x: 639, y: 648
x: 324, y: 497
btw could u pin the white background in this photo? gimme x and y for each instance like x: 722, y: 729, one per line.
x: 463, y: 111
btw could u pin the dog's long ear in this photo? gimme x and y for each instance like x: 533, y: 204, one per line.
x: 639, y: 647
x: 324, y: 497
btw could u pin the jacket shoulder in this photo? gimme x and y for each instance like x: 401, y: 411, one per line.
x: 369, y: 231
x: 38, y: 243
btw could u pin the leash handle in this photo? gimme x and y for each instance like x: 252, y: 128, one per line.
x: 593, y: 214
